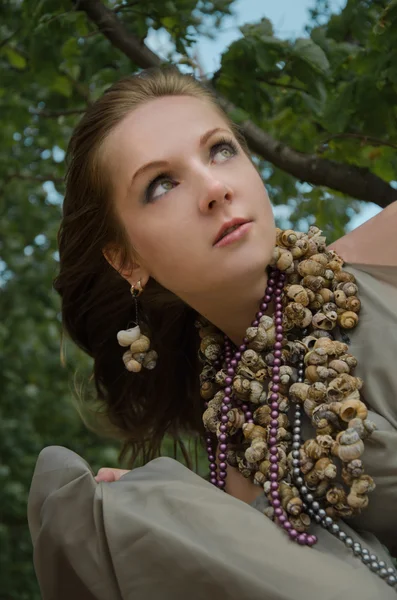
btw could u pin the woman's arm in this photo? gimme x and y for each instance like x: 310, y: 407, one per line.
x: 374, y: 242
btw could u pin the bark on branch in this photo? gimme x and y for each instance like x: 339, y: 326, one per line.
x: 354, y: 181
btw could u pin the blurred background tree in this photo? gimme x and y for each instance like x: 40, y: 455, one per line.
x: 320, y: 117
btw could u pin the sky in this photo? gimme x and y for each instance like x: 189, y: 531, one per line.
x: 288, y: 17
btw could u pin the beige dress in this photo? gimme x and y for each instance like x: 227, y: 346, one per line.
x: 163, y: 533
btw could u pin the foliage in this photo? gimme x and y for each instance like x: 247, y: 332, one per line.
x: 330, y: 94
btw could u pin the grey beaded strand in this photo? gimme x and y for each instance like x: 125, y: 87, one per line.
x: 389, y: 574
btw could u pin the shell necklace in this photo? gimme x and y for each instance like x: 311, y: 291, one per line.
x: 287, y: 366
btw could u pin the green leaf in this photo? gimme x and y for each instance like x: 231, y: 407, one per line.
x: 312, y: 54
x: 337, y: 111
x: 70, y: 48
x: 239, y: 115
x: 15, y: 59
x: 62, y: 85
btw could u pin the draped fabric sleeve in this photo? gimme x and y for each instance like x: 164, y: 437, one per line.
x: 163, y: 533
x: 65, y: 514
x: 374, y: 344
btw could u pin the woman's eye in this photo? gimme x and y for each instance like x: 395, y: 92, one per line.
x: 223, y: 151
x: 160, y: 186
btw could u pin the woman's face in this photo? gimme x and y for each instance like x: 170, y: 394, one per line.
x: 178, y: 176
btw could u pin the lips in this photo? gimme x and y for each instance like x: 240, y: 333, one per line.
x: 228, y: 227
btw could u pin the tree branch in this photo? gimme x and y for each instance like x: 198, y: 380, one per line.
x: 114, y: 30
x: 367, y: 139
x: 356, y: 182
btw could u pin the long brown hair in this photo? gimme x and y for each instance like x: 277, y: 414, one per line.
x: 96, y: 302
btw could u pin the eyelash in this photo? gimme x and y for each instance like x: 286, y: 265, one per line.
x: 214, y: 149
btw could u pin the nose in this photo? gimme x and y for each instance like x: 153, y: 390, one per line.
x: 215, y: 192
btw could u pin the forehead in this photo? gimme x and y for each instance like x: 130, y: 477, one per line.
x: 162, y: 126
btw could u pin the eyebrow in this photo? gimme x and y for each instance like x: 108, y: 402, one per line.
x: 163, y: 163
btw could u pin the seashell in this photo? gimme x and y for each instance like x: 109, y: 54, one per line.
x: 262, y: 415
x: 252, y: 360
x: 297, y: 293
x: 306, y: 463
x: 210, y: 419
x: 246, y: 469
x: 258, y: 338
x: 310, y: 267
x: 300, y: 522
x: 325, y: 441
x: 320, y: 258
x: 313, y: 283
x: 322, y: 321
x: 316, y: 357
x: 348, y: 319
x: 252, y: 431
x: 321, y: 413
x: 207, y: 390
x: 321, y: 489
x: 348, y: 436
x: 300, y: 248
x: 308, y: 406
x: 130, y: 363
x: 351, y: 409
x: 269, y: 512
x: 340, y: 298
x: 245, y: 373
x: 298, y: 392
x: 348, y: 452
x: 340, y: 366
x: 317, y: 302
x: 336, y: 495
x: 140, y: 345
x: 352, y: 470
x: 288, y: 238
x: 220, y: 377
x: 231, y: 457
x: 311, y: 374
x: 282, y: 258
x: 314, y: 450
x: 350, y: 289
x: 317, y: 391
x: 294, y: 506
x: 344, y: 277
x: 257, y: 394
x: 128, y: 336
x: 150, y: 360
x: 217, y: 401
x: 261, y: 375
x: 259, y: 478
x: 329, y: 274
x: 343, y: 386
x: 236, y: 418
x: 256, y: 452
x: 363, y: 485
x: 241, y: 387
x: 139, y: 357
x: 357, y: 502
x: 266, y: 322
x: 325, y: 469
x: 353, y: 303
x: 369, y: 427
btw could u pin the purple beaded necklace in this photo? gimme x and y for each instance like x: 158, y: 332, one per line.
x: 274, y: 289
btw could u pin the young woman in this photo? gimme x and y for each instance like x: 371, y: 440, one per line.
x: 238, y: 333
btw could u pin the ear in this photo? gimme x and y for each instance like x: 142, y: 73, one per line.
x: 132, y: 271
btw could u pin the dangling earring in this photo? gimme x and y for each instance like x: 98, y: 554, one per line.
x: 139, y: 354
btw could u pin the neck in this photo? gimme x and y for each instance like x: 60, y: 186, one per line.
x: 233, y: 310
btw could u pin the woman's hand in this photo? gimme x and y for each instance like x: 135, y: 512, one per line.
x: 109, y: 475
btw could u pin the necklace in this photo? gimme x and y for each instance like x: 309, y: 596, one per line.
x: 255, y: 394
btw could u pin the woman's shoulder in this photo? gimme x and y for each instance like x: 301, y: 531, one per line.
x: 374, y: 242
